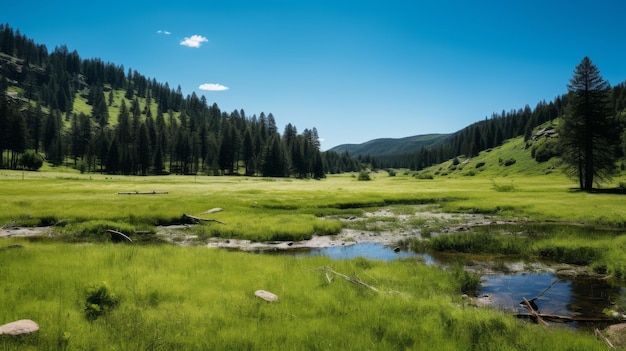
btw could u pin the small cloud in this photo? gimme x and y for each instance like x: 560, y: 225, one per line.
x: 194, y: 41
x: 164, y: 32
x: 212, y: 87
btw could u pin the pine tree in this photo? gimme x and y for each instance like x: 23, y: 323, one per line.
x: 589, y: 132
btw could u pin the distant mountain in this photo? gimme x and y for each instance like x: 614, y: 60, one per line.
x: 391, y: 146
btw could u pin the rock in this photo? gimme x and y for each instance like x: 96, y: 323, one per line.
x: 266, y: 295
x: 24, y: 326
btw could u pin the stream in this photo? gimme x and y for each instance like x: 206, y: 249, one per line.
x: 570, y: 295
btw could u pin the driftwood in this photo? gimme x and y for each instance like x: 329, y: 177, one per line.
x: 120, y: 234
x: 198, y: 219
x: 141, y: 192
x: 534, y: 313
x: 357, y: 281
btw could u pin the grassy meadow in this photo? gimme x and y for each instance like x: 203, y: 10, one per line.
x: 195, y: 298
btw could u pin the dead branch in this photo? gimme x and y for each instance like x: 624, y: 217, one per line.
x: 533, y: 312
x: 599, y: 335
x: 122, y: 235
x: 357, y: 281
x: 198, y: 219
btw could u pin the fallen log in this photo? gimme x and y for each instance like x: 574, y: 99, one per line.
x: 198, y: 219
x: 141, y: 192
x: 567, y: 319
x: 120, y: 234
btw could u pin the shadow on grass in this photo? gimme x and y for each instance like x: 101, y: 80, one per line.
x: 614, y: 191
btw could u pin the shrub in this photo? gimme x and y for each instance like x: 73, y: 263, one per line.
x: 424, y: 176
x: 99, y: 300
x: 503, y: 188
x: 509, y: 162
x: 480, y: 164
x: 391, y: 172
x: 31, y: 160
x: 363, y: 175
x: 545, y: 151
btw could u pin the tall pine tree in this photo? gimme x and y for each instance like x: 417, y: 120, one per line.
x: 589, y: 133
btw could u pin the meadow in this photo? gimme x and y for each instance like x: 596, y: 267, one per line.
x: 191, y: 298
x: 194, y: 298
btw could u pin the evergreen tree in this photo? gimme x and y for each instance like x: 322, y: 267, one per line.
x: 274, y: 162
x: 144, y: 156
x: 589, y: 132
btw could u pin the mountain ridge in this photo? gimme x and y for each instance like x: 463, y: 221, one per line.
x: 384, y: 146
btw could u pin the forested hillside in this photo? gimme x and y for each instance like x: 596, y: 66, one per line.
x: 486, y: 134
x: 98, y: 117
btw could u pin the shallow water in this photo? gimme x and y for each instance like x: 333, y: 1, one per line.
x: 564, y: 296
x: 371, y: 251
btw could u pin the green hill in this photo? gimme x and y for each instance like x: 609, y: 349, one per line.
x: 514, y: 158
x: 387, y: 146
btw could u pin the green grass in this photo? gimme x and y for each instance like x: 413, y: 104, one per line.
x: 269, y: 209
x: 194, y: 298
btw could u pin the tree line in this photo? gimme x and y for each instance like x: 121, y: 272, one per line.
x: 185, y: 135
x: 492, y: 132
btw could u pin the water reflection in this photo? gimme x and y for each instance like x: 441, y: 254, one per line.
x: 370, y: 251
x: 581, y: 297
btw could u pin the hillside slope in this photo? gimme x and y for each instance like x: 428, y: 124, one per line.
x: 387, y: 146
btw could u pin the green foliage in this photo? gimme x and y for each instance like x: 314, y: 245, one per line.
x: 424, y: 175
x: 507, y: 162
x: 364, y: 175
x: 99, y: 300
x: 544, y: 151
x: 31, y: 160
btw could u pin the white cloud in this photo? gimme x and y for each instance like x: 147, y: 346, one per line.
x: 164, y: 32
x: 194, y: 41
x: 212, y: 87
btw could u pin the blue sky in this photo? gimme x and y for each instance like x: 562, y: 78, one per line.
x: 355, y: 70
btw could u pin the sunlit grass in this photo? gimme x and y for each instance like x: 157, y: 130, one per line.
x: 198, y: 298
x: 261, y: 208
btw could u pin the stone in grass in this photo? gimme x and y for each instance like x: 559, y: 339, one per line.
x: 24, y: 326
x: 266, y: 295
